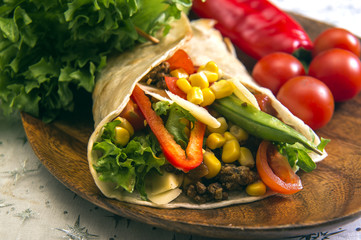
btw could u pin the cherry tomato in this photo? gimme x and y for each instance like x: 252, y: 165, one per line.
x: 309, y: 99
x: 274, y: 69
x: 340, y: 70
x: 173, y: 88
x: 180, y: 59
x: 275, y: 171
x: 336, y: 38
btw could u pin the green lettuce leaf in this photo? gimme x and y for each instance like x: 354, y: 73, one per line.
x: 51, y: 50
x: 127, y: 166
x: 297, y: 154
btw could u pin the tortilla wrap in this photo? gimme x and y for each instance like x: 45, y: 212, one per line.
x: 117, y: 81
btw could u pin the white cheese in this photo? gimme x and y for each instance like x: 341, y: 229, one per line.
x: 200, y: 113
x: 244, y: 94
x: 156, y: 184
x: 165, y: 197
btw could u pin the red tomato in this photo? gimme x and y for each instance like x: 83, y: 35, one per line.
x: 336, y: 38
x: 180, y: 59
x: 340, y: 70
x: 173, y: 88
x: 275, y: 171
x: 309, y: 99
x: 273, y: 70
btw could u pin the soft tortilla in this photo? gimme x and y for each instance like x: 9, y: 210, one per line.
x: 117, y: 81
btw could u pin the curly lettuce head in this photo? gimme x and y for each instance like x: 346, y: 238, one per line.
x: 51, y: 50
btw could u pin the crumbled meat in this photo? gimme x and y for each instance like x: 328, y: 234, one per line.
x: 231, y: 177
x: 191, y: 191
x: 201, y: 193
x: 201, y: 188
x: 234, y: 177
x: 216, y: 190
x: 156, y: 76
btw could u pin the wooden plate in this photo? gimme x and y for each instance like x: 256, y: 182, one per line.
x: 331, y: 195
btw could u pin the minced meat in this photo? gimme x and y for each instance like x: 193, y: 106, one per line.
x: 201, y: 193
x: 231, y: 177
x: 156, y: 76
x: 234, y: 177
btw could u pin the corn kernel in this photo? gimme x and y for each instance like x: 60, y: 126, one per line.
x: 221, y: 129
x: 229, y: 136
x: 199, y: 80
x: 208, y: 97
x: 246, y: 158
x: 211, y: 66
x: 222, y: 88
x: 212, y: 163
x: 122, y: 136
x: 200, y: 68
x: 126, y: 124
x: 256, y: 189
x: 195, y: 95
x: 184, y: 85
x: 211, y: 76
x: 179, y: 73
x: 231, y: 151
x: 239, y: 133
x: 215, y: 140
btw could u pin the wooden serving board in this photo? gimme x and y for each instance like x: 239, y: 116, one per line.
x: 331, y: 194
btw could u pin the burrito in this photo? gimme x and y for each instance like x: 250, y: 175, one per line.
x: 182, y: 124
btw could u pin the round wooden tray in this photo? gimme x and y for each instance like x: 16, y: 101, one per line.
x: 331, y: 194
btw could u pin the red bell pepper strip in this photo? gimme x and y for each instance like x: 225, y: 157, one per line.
x: 174, y: 153
x: 181, y: 59
x: 257, y: 27
x: 172, y: 86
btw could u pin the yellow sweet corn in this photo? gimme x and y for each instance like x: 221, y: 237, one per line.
x: 246, y: 158
x: 195, y: 95
x: 229, y: 136
x: 239, y: 133
x: 208, y: 97
x: 222, y: 88
x: 215, y: 140
x: 184, y: 85
x: 201, y: 68
x: 221, y: 129
x: 199, y: 80
x: 211, y: 67
x: 211, y: 76
x: 230, y: 151
x: 122, y: 136
x: 179, y: 73
x: 256, y: 189
x: 126, y: 124
x: 212, y: 163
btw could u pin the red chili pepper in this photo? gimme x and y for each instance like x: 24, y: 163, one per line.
x: 257, y: 27
x: 174, y: 153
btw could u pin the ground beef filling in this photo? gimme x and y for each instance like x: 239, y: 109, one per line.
x: 230, y: 178
x: 156, y: 76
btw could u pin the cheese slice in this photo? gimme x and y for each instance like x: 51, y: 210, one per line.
x: 200, y: 113
x: 244, y: 94
x: 157, y: 183
x: 165, y: 197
